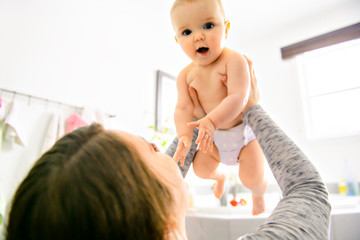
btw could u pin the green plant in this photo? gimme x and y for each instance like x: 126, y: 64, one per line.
x: 161, y: 136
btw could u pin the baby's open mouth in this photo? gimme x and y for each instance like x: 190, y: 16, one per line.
x: 202, y: 50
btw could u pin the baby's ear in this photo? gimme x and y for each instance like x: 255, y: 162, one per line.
x: 176, y: 39
x: 227, y: 26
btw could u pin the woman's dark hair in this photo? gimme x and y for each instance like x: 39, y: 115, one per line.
x: 90, y: 185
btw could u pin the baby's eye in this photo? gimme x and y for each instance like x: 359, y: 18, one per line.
x: 208, y: 25
x: 186, y: 32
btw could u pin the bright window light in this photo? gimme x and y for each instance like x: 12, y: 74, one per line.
x: 330, y: 79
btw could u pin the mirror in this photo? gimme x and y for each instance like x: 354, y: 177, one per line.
x: 166, y: 97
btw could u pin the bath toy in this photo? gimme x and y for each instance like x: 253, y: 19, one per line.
x: 242, y: 202
x: 235, y: 203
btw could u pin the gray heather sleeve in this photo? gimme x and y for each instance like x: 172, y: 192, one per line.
x: 189, y: 158
x: 304, y: 211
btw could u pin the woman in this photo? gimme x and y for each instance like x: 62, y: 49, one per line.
x: 101, y: 184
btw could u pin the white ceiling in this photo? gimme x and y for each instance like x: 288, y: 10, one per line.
x: 265, y: 15
x: 254, y: 18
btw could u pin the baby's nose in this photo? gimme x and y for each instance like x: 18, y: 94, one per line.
x: 199, y: 36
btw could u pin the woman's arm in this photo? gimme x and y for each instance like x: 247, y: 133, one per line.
x: 189, y: 157
x: 304, y: 211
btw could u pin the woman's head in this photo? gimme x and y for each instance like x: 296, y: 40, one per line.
x: 96, y: 184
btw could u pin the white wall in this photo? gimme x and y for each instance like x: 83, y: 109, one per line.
x: 101, y: 53
x: 86, y: 53
x: 105, y: 54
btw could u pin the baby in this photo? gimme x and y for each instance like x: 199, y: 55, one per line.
x: 220, y: 76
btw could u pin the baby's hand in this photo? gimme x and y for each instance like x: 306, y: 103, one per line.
x: 182, y: 149
x: 206, y: 133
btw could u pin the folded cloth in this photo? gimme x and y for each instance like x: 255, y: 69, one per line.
x: 14, y: 126
x: 74, y: 121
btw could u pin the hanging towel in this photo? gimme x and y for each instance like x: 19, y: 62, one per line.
x: 2, y: 110
x: 14, y: 126
x: 2, y: 113
x: 61, y: 127
x: 101, y: 118
x: 91, y: 115
x: 74, y: 121
x: 88, y: 114
x: 55, y: 131
x: 1, y: 134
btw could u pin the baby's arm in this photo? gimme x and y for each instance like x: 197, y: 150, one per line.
x: 183, y: 114
x: 238, y: 85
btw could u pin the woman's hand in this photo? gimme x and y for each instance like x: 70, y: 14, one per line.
x: 254, y: 95
x: 182, y: 149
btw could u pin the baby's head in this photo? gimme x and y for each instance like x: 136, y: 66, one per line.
x: 200, y: 28
x: 179, y: 2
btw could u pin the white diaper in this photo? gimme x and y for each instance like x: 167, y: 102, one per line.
x: 230, y: 142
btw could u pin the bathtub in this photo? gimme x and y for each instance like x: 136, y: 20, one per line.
x: 207, y: 220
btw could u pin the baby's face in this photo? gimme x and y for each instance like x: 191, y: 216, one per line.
x: 200, y: 30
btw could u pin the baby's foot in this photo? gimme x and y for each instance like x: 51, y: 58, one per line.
x: 258, y: 205
x: 219, y: 187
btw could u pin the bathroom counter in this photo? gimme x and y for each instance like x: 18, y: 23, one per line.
x: 207, y: 220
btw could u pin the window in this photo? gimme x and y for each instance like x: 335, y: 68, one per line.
x: 330, y: 79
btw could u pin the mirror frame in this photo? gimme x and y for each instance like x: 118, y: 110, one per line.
x: 161, y: 77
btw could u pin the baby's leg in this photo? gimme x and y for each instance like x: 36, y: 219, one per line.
x: 205, y: 166
x: 251, y: 173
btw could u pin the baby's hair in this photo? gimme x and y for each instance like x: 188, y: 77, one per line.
x: 178, y: 2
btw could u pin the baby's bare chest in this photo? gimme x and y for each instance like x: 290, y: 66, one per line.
x: 210, y: 85
x: 207, y: 79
